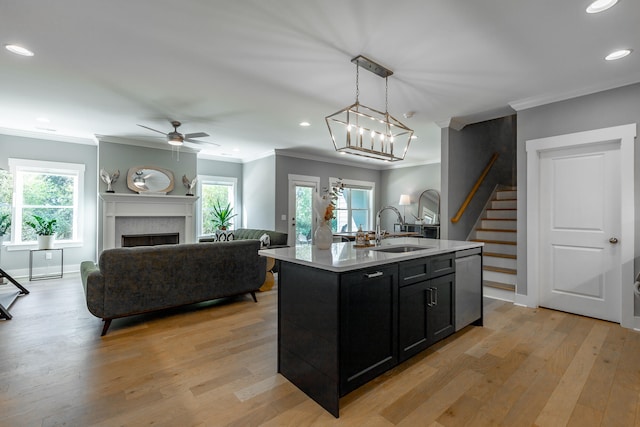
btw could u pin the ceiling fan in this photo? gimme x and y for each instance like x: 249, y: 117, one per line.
x: 176, y: 138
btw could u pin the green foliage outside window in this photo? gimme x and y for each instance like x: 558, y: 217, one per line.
x: 213, y: 195
x: 304, y: 211
x: 48, y: 196
x: 6, y: 191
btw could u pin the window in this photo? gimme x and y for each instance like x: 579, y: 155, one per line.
x: 354, y: 207
x: 50, y: 190
x: 216, y: 189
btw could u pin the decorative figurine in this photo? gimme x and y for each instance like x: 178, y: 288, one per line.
x: 190, y: 185
x: 109, y: 179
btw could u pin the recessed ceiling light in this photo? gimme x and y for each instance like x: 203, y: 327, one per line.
x: 305, y: 124
x: 18, y: 50
x: 601, y: 5
x: 414, y: 137
x: 43, y: 120
x: 236, y: 150
x: 617, y: 54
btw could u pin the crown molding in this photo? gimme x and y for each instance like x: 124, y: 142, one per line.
x: 50, y: 136
x: 537, y: 101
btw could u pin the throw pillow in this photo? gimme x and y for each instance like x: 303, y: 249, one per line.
x: 265, y: 240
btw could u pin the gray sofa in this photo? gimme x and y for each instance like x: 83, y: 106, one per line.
x: 140, y: 279
x: 276, y: 238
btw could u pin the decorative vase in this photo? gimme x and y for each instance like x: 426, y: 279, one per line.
x: 323, y: 237
x: 45, y: 242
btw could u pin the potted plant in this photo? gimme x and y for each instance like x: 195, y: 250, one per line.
x: 45, y: 229
x: 221, y: 216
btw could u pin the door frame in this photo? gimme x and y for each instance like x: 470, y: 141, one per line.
x: 626, y: 135
x: 291, y: 198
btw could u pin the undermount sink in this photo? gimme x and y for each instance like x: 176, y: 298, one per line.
x: 401, y: 248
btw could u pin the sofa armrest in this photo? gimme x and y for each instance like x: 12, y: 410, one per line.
x: 93, y: 284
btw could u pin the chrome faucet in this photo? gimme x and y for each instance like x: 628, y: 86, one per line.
x: 379, y: 236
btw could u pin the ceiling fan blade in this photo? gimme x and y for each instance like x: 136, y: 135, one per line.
x: 195, y: 135
x: 195, y: 141
x: 155, y: 130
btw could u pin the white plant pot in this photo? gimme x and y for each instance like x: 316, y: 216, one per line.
x: 46, y: 242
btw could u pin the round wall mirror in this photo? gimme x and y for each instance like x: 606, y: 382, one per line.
x: 150, y: 179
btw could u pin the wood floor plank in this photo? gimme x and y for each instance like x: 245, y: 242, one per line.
x: 215, y: 364
x: 563, y: 400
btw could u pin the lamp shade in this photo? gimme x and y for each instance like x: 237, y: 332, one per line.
x: 405, y: 200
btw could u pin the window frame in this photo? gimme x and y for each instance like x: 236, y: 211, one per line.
x: 360, y: 185
x: 19, y: 166
x: 236, y: 205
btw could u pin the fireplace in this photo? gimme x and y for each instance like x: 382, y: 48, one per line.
x: 138, y: 214
x: 131, y: 240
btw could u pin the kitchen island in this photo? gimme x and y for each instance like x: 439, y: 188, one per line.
x: 347, y: 314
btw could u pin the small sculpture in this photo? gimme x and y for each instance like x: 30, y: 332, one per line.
x: 190, y: 185
x: 109, y: 179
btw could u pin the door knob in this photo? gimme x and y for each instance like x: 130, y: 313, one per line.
x: 613, y: 240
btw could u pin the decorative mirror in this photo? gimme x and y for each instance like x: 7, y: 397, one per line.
x: 429, y: 206
x: 150, y: 179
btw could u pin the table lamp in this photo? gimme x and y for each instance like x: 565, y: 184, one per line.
x: 405, y: 200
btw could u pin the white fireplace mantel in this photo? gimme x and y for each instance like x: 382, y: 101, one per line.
x: 145, y: 205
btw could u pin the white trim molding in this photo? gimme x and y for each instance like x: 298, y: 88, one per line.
x: 626, y: 135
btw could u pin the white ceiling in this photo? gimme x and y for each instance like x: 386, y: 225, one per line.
x: 247, y: 72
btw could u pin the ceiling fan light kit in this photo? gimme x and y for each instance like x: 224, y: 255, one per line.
x: 364, y: 131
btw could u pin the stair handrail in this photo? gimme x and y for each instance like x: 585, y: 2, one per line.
x: 473, y: 191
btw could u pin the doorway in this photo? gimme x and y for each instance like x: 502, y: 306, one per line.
x: 580, y: 226
x: 302, y: 190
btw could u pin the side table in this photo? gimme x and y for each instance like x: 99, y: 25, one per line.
x: 45, y: 258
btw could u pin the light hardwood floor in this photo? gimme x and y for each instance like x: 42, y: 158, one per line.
x: 215, y: 365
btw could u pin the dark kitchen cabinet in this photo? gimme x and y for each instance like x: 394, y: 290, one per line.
x: 368, y: 326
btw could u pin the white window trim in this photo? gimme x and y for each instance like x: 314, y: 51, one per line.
x: 28, y: 165
x: 365, y: 185
x: 225, y: 180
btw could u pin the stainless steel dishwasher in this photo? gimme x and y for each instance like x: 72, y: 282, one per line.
x: 468, y: 287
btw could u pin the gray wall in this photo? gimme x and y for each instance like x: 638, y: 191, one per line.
x: 113, y: 156
x: 286, y: 165
x: 410, y: 180
x: 16, y: 262
x: 467, y: 153
x: 259, y: 194
x: 604, y: 109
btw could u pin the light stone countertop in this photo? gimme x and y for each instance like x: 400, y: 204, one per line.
x: 344, y: 256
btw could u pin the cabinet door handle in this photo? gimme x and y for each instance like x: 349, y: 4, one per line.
x: 435, y: 291
x: 429, y: 297
x: 372, y: 275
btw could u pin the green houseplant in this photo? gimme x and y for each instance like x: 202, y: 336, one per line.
x: 5, y: 223
x: 221, y: 215
x: 45, y: 229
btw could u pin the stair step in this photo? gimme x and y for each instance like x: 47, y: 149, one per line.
x: 502, y: 213
x: 499, y: 247
x: 500, y: 261
x: 499, y: 255
x: 500, y: 269
x: 497, y: 276
x: 496, y: 235
x: 498, y: 285
x: 504, y: 204
x: 498, y: 223
x: 506, y: 194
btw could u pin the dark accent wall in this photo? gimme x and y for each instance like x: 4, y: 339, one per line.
x: 467, y: 153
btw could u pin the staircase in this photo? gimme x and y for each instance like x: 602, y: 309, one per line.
x: 497, y: 230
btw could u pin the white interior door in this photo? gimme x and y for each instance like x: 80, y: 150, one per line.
x: 579, y: 215
x: 301, y: 213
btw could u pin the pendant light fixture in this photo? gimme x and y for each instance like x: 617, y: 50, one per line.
x: 364, y: 131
